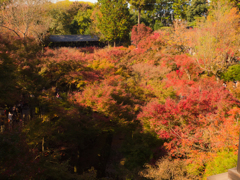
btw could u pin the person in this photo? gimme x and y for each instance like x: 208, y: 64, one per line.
x: 10, y: 120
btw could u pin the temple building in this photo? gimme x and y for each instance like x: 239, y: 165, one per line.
x: 74, y: 41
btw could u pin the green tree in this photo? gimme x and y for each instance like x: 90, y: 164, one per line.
x: 83, y: 21
x: 162, y: 11
x: 236, y: 3
x: 113, y: 20
x: 180, y: 8
x: 160, y: 14
x: 147, y: 17
x: 70, y: 22
x: 142, y: 5
x: 198, y: 8
x: 221, y: 162
x: 73, y: 18
x: 232, y: 73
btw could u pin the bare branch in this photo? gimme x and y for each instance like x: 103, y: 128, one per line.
x: 10, y: 30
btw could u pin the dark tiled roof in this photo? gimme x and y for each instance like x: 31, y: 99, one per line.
x: 72, y: 38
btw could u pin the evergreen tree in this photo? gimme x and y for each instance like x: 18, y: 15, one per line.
x: 198, y: 8
x: 113, y: 20
x: 142, y: 5
x: 180, y: 8
x: 83, y: 21
x: 162, y: 11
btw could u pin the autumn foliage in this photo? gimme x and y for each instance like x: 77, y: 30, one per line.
x: 214, y: 41
x: 140, y: 32
x: 157, y: 111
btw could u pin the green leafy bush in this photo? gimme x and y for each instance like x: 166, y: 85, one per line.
x: 233, y: 73
x: 221, y: 163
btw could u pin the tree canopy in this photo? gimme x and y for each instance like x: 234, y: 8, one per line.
x: 198, y: 8
x: 113, y: 20
x: 166, y: 109
x: 140, y: 5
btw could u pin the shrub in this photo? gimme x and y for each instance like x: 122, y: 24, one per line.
x: 233, y: 73
x: 140, y: 32
x: 167, y: 169
x: 221, y: 163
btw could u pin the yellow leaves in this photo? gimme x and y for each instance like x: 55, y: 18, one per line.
x: 45, y: 118
x: 234, y: 111
x: 122, y: 162
x: 43, y: 70
x: 234, y: 90
x: 119, y: 71
x: 61, y: 4
x: 81, y: 84
x: 214, y: 38
x: 101, y: 64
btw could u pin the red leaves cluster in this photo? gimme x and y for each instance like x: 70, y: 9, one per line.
x: 139, y: 32
x: 89, y: 49
x: 108, y: 98
x: 63, y: 55
x: 192, y: 113
x: 185, y: 121
x: 67, y: 66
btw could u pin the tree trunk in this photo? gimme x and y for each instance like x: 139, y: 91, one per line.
x: 108, y: 44
x: 139, y: 15
x: 114, y: 43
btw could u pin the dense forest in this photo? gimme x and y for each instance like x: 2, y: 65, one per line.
x: 165, y: 107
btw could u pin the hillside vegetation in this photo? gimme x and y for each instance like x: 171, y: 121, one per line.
x: 168, y: 109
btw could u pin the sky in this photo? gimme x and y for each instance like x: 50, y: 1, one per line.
x: 92, y: 1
